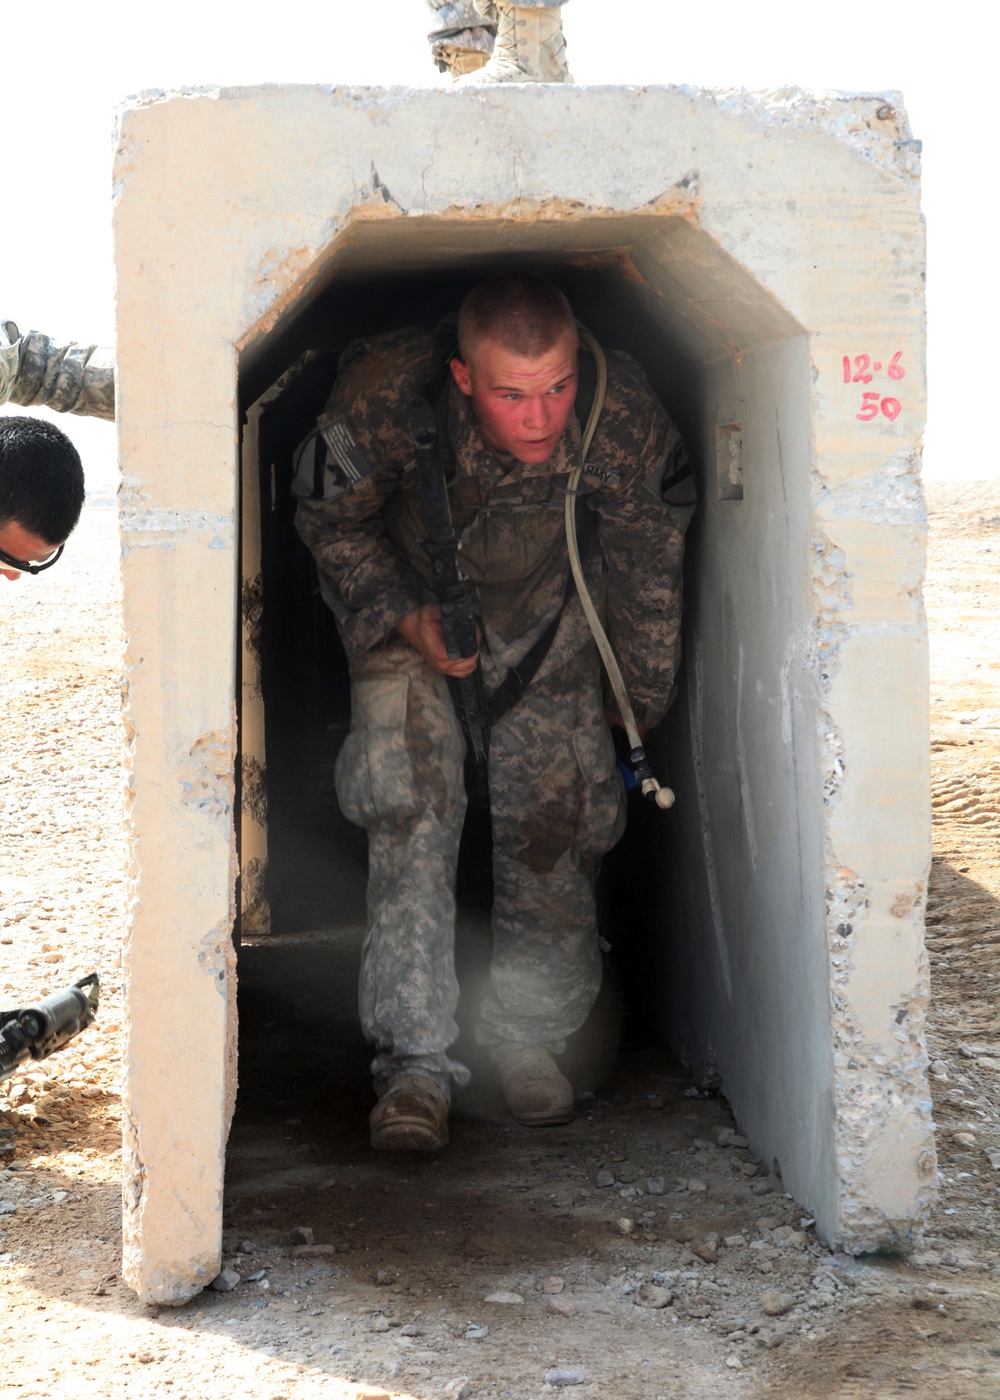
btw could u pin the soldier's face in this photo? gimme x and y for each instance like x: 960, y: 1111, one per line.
x: 19, y: 543
x: 521, y: 406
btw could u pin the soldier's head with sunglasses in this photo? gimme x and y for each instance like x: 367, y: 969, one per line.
x: 41, y: 494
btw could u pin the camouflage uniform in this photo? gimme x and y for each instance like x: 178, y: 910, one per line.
x: 469, y: 25
x: 458, y: 25
x: 557, y: 803
x: 68, y: 378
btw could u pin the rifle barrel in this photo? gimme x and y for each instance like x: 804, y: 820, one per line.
x: 455, y: 597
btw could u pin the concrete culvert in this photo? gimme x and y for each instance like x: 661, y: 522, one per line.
x: 774, y: 915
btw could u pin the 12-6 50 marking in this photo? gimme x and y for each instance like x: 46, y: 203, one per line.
x: 862, y: 370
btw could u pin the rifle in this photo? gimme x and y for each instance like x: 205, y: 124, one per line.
x: 36, y: 1031
x: 455, y: 598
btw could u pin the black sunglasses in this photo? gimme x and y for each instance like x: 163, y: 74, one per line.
x: 28, y: 566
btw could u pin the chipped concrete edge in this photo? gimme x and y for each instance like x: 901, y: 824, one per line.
x: 882, y: 1110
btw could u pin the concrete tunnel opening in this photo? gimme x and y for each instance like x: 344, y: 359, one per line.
x: 731, y: 368
x: 725, y: 238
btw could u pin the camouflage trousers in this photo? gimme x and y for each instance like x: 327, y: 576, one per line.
x: 557, y: 805
x: 466, y: 24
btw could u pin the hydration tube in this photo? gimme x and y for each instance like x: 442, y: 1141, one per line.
x: 651, y: 788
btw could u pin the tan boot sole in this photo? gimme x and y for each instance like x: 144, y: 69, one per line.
x: 550, y: 1119
x: 530, y: 1076
x: 408, y: 1135
x: 412, y: 1117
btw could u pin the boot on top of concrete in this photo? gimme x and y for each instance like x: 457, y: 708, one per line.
x: 529, y: 48
x: 536, y: 1093
x: 412, y: 1116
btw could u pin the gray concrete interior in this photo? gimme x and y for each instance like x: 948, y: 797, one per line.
x: 725, y: 945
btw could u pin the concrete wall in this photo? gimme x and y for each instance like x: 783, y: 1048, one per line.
x: 759, y: 240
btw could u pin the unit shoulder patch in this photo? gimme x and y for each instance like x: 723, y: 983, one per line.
x: 328, y: 461
x: 345, y: 451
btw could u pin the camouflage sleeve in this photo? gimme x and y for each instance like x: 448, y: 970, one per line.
x: 642, y: 521
x: 365, y: 449
x: 68, y: 378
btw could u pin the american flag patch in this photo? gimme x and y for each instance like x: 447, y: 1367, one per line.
x: 345, y: 451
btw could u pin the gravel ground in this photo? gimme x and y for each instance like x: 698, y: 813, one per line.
x: 639, y: 1252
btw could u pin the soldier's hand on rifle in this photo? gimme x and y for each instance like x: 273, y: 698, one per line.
x: 424, y: 632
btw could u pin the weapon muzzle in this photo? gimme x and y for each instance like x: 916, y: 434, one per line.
x: 56, y: 1018
x: 53, y: 1020
x: 48, y: 1024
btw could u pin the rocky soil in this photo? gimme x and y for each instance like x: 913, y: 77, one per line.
x: 640, y: 1252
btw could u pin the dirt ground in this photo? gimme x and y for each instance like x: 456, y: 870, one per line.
x: 628, y: 1252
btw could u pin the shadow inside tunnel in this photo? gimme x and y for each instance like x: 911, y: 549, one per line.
x: 413, y: 1239
x: 299, y: 1144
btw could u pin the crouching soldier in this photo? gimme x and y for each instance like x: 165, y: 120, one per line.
x: 512, y: 396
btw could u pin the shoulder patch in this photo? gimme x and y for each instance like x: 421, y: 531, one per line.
x: 671, y: 480
x: 328, y: 461
x: 345, y: 451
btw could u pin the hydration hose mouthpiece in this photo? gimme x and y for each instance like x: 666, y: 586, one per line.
x: 652, y: 790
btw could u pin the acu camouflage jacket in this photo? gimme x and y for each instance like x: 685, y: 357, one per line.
x: 365, y: 532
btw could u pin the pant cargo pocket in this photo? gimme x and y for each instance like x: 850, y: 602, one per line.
x: 601, y: 810
x: 374, y: 775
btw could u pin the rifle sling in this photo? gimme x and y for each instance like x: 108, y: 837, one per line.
x: 519, y: 677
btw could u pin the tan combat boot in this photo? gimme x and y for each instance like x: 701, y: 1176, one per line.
x: 529, y: 48
x: 412, y: 1116
x: 536, y: 1093
x: 460, y: 61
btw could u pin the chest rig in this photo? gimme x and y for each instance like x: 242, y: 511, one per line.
x: 591, y: 392
x: 437, y: 394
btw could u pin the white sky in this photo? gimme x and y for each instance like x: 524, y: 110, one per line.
x: 66, y: 66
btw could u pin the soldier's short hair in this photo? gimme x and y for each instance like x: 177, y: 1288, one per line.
x: 522, y: 311
x: 41, y: 478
